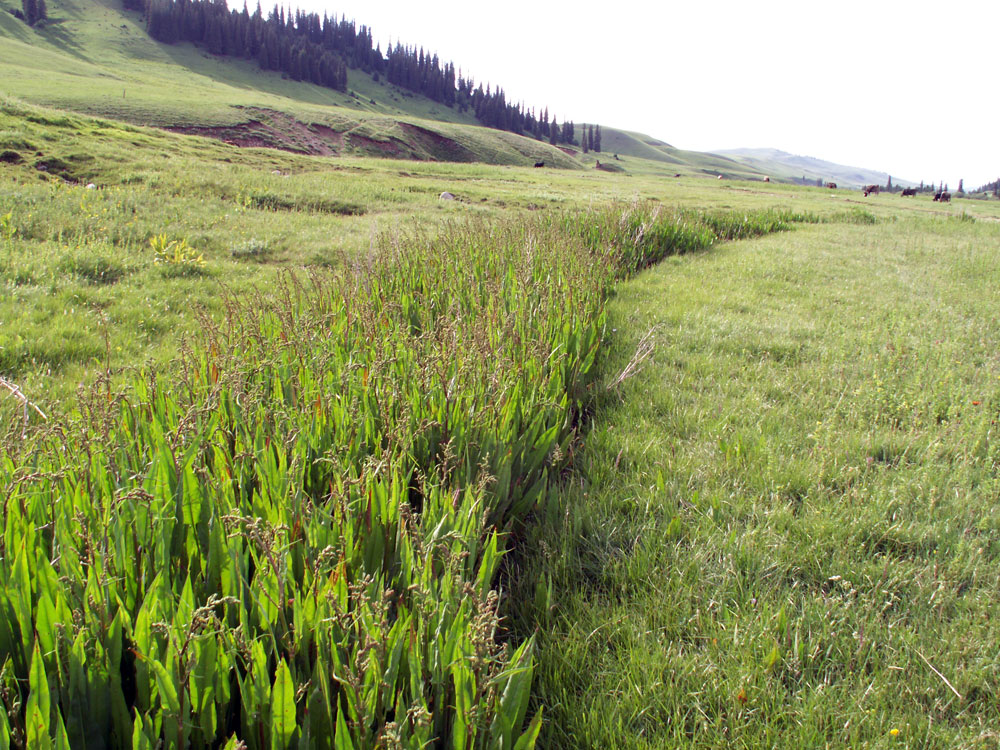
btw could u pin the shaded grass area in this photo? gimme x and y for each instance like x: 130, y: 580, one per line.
x: 783, y: 531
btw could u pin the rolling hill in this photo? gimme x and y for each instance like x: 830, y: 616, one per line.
x: 807, y: 169
x: 94, y: 57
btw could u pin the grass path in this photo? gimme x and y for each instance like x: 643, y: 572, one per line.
x: 785, y: 530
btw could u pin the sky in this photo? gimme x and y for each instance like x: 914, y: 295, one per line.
x: 909, y: 88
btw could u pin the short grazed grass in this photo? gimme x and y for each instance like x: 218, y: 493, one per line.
x: 783, y: 531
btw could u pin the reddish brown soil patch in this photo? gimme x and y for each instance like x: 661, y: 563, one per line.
x: 268, y: 128
x: 437, y: 146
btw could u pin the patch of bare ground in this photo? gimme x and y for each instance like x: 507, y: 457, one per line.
x: 268, y: 128
x: 435, y: 144
x: 392, y: 147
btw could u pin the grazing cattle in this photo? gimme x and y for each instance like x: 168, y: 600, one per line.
x: 832, y: 185
x: 677, y: 175
x: 719, y: 177
x: 945, y: 197
x: 937, y: 195
x: 767, y: 179
x: 869, y: 189
x: 539, y: 163
x: 908, y: 191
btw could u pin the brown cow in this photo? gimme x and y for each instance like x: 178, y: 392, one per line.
x: 945, y: 197
x: 869, y: 189
x: 832, y: 185
x: 908, y: 191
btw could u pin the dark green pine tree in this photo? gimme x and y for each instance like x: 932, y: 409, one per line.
x: 597, y: 138
x: 30, y: 8
x: 553, y: 132
x: 960, y: 188
x: 43, y: 11
x: 213, y: 35
x: 585, y: 139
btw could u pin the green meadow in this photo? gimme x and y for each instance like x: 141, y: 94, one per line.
x: 578, y: 459
x: 782, y: 528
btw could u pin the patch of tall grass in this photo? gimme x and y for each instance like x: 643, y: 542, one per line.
x: 297, y: 539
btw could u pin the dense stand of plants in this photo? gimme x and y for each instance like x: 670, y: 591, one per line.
x: 296, y: 540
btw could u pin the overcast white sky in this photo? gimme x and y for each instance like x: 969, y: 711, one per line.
x: 910, y: 88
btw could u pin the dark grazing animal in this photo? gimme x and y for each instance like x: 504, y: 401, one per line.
x: 868, y: 189
x: 767, y: 179
x: 908, y: 191
x: 945, y: 197
x: 832, y: 185
x: 539, y: 163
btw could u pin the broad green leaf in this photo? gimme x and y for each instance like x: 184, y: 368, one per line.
x: 342, y: 740
x: 39, y: 705
x: 282, y: 707
x: 527, y: 740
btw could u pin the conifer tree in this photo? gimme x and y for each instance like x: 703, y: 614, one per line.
x: 43, y: 11
x: 597, y: 138
x: 30, y: 8
x: 553, y: 132
x: 960, y: 188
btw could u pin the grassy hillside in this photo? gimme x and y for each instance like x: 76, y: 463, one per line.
x: 628, y: 144
x: 92, y: 57
x: 95, y: 58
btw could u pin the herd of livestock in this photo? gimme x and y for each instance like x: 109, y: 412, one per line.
x: 940, y: 195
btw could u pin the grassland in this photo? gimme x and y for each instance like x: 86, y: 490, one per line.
x: 783, y: 530
x: 292, y: 532
x: 779, y: 531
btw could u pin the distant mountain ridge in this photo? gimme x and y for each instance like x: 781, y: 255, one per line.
x: 808, y: 169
